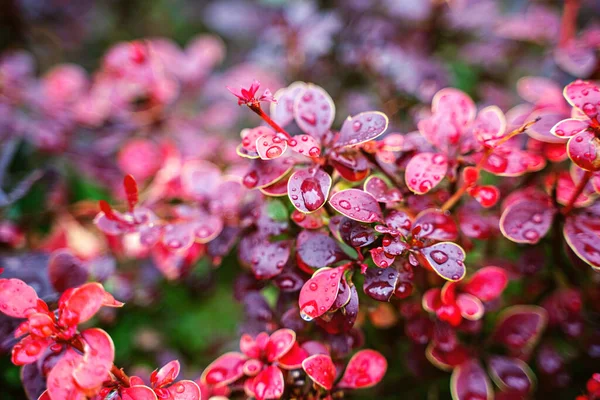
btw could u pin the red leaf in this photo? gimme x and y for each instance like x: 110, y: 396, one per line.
x: 293, y: 358
x: 361, y: 128
x: 365, y: 369
x: 224, y: 370
x: 446, y: 360
x: 131, y: 190
x: 17, y: 299
x: 380, y: 258
x: 280, y: 342
x: 425, y: 171
x: 319, y: 293
x: 320, y: 369
x: 436, y: 224
x: 487, y: 284
x: 470, y: 306
x: 357, y: 205
x: 469, y: 381
x: 308, y: 189
x: 165, y: 375
x: 446, y: 259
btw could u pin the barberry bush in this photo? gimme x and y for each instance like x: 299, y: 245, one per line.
x: 300, y: 200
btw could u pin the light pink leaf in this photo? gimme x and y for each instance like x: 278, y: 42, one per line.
x: 425, y: 171
x: 585, y: 96
x: 282, y: 111
x: 314, y: 111
x: 470, y: 306
x: 199, y: 179
x: 489, y: 126
x: 381, y: 191
x: 264, y: 173
x: 487, y: 284
x: 308, y: 189
x: 361, y: 128
x: 268, y: 384
x: 357, y: 205
x: 185, y: 390
x: 138, y: 392
x: 454, y: 102
x: 569, y: 127
x: 270, y: 146
x: 250, y: 136
x: 165, y: 375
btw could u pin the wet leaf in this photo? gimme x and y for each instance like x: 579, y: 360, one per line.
x: 469, y: 381
x: 527, y: 221
x: 308, y: 189
x: 320, y: 369
x: 425, y: 171
x: 319, y: 293
x: 361, y: 128
x: 357, y: 205
x: 380, y: 284
x: 585, y: 96
x: 446, y: 259
x: 17, y: 299
x: 314, y: 111
x: 365, y: 369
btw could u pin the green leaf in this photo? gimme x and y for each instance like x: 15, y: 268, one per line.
x: 277, y: 210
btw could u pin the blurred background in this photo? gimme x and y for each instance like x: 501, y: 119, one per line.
x: 75, y: 117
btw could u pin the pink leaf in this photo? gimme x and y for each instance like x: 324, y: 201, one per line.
x: 446, y: 259
x: 454, y: 102
x: 138, y: 392
x: 380, y: 258
x: 365, y: 369
x: 185, y: 390
x: 436, y: 224
x: 487, y: 284
x: 305, y: 145
x: 224, y: 370
x: 314, y: 111
x: 381, y: 191
x: 29, y: 350
x: 425, y: 171
x: 293, y: 358
x: 569, y: 127
x: 490, y: 126
x: 17, y: 299
x: 361, y: 128
x: 84, y: 302
x: 470, y: 306
x: 264, y: 173
x: 250, y: 136
x: 582, y: 233
x: 469, y: 381
x: 357, y: 204
x: 527, y: 221
x: 282, y: 111
x: 199, y: 179
x: 584, y: 150
x: 99, y: 353
x: 308, y: 189
x: 268, y: 384
x: 270, y: 146
x: 585, y: 96
x: 319, y: 293
x: 60, y: 379
x: 320, y: 369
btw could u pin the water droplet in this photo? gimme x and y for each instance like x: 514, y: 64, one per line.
x: 356, y: 126
x: 274, y: 152
x: 345, y: 204
x: 530, y: 234
x: 439, y: 256
x: 312, y: 194
x: 313, y: 286
x: 250, y: 179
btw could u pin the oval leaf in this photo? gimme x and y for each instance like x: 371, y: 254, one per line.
x: 380, y: 284
x: 585, y: 96
x: 365, y: 369
x: 361, y: 128
x: 17, y: 298
x: 308, y: 189
x: 320, y: 369
x: 487, y: 284
x: 425, y: 171
x: 319, y: 293
x: 511, y: 374
x: 314, y: 111
x: 357, y: 205
x: 469, y: 381
x: 527, y: 221
x: 224, y: 370
x: 519, y: 327
x: 446, y: 259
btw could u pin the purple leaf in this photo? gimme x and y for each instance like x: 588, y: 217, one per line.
x: 361, y: 128
x: 446, y: 259
x: 318, y: 250
x: 355, y: 234
x: 269, y: 258
x: 436, y: 225
x: 380, y: 283
x: 469, y: 381
x: 527, y: 221
x: 66, y: 270
x: 582, y: 233
x: 264, y: 173
x: 584, y: 150
x: 357, y: 205
x: 381, y: 191
x: 270, y: 145
x: 308, y: 189
x: 519, y: 327
x: 511, y: 374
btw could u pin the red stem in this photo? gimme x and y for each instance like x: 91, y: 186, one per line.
x: 578, y: 190
x: 258, y: 110
x: 568, y: 25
